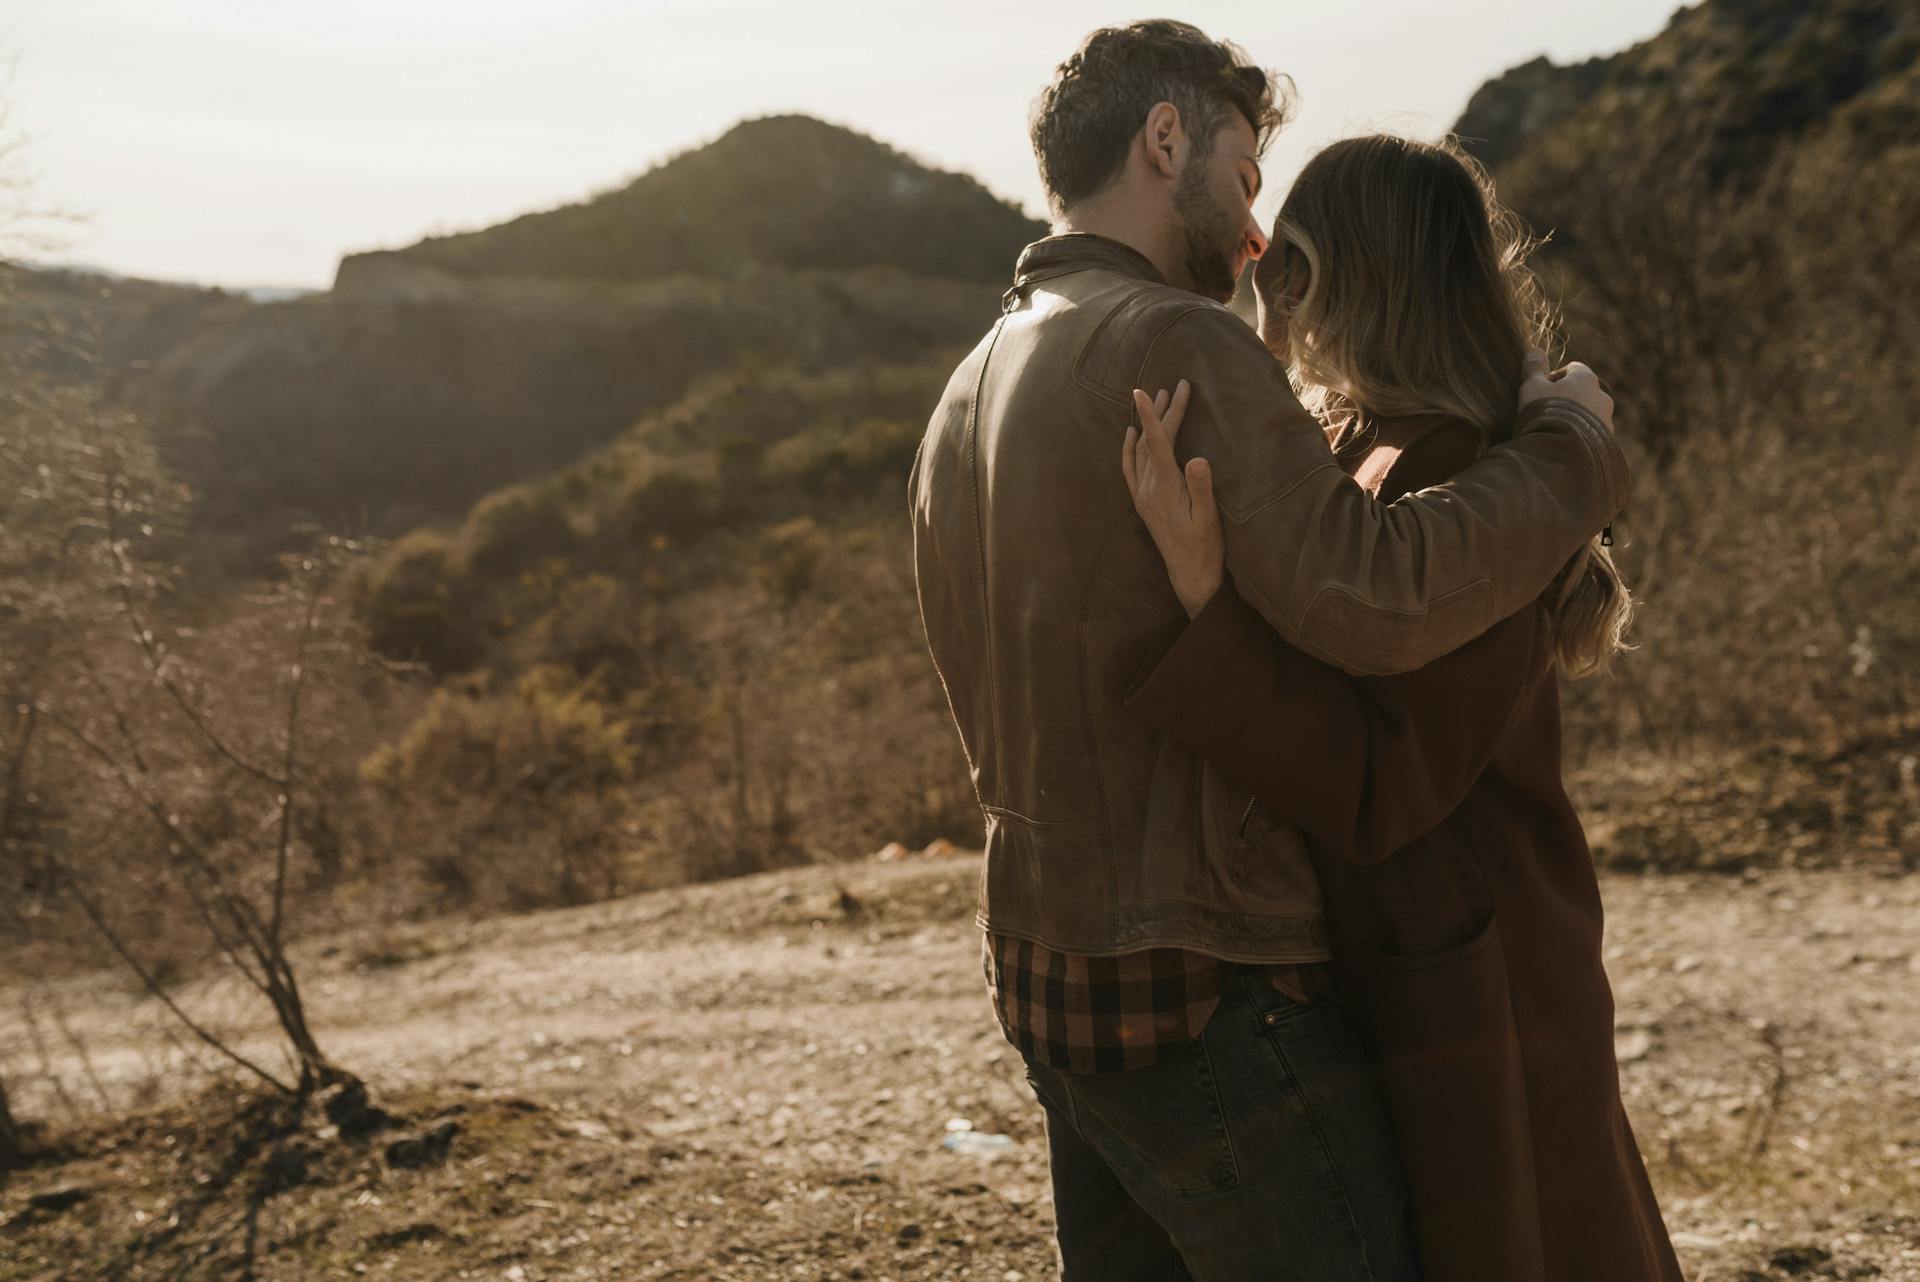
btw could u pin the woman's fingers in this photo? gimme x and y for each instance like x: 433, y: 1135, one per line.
x: 1159, y: 446
x: 1200, y: 492
x: 1176, y: 412
x: 1147, y: 461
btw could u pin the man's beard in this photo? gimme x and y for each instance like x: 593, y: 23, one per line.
x: 1207, y: 236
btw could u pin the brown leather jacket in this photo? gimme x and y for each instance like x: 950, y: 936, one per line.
x: 1045, y: 601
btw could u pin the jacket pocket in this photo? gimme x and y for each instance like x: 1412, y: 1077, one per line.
x: 1242, y: 841
x: 1262, y: 859
x: 1450, y: 1060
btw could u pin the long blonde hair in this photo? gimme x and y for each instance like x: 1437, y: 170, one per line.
x: 1411, y: 294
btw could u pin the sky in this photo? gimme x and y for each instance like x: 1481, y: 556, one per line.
x: 251, y: 143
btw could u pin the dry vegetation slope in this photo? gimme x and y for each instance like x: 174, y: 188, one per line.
x: 752, y: 1079
x: 1735, y: 213
x: 692, y: 652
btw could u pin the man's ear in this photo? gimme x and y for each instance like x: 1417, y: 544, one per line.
x: 1165, y: 140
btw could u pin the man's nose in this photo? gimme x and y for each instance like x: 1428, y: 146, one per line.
x: 1257, y: 243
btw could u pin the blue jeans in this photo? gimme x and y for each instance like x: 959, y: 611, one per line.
x: 1259, y: 1150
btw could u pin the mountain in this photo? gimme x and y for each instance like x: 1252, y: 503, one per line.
x: 1737, y: 168
x: 784, y: 191
x: 433, y: 374
x: 1737, y: 79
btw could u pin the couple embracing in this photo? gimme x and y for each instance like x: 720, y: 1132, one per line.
x: 1285, y: 906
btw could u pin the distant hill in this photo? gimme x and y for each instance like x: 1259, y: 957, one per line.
x: 1738, y: 169
x: 433, y: 374
x: 1736, y: 78
x: 376, y: 414
x: 112, y: 326
x: 783, y: 191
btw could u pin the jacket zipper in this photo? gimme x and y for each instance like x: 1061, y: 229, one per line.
x: 1247, y: 817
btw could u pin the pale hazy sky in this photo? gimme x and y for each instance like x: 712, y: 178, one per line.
x: 252, y: 142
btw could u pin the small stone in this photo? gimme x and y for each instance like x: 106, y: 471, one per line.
x: 348, y: 1109
x: 588, y: 1129
x: 54, y: 1201
x: 1630, y: 1044
x: 423, y: 1150
x: 1796, y: 1260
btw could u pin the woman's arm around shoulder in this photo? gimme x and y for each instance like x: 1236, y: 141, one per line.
x: 1363, y: 765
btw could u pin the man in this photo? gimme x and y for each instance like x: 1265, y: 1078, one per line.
x: 1156, y: 955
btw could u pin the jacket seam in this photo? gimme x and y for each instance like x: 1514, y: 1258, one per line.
x: 1282, y: 487
x: 1597, y: 457
x: 1266, y: 501
x: 920, y: 599
x: 1133, y: 317
x: 1003, y: 812
x: 979, y: 532
x: 1188, y: 940
x: 1146, y: 357
x: 1603, y: 452
x: 1482, y: 587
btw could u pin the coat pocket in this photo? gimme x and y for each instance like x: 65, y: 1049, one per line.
x: 1455, y: 1080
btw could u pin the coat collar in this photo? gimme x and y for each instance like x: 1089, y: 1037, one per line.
x: 1079, y: 252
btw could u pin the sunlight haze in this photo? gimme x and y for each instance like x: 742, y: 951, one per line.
x: 245, y: 143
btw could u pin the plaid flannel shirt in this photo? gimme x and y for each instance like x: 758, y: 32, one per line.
x: 1083, y: 1014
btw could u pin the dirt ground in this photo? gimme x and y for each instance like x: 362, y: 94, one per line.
x: 753, y: 1079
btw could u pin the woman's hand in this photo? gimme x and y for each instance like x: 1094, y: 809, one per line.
x: 1177, y: 506
x: 1573, y: 381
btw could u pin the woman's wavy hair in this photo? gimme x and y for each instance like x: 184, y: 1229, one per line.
x: 1407, y: 291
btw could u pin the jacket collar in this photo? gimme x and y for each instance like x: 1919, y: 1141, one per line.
x: 1079, y: 252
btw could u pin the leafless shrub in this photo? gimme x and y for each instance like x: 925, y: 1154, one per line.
x: 1760, y: 333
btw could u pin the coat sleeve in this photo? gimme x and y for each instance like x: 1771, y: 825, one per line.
x: 1363, y: 765
x: 1375, y: 587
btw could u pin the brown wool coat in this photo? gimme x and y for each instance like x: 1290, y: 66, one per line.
x: 1462, y: 903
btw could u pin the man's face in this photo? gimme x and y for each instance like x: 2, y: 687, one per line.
x: 1213, y: 211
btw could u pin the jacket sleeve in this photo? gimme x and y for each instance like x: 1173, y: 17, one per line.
x: 1362, y: 765
x: 1373, y: 587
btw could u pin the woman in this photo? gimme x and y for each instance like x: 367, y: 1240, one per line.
x: 1460, y: 892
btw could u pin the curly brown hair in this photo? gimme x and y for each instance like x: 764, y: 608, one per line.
x: 1084, y: 120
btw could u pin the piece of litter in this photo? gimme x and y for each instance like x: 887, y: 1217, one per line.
x: 977, y: 1143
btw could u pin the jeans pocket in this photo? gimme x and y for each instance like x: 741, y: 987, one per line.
x: 1162, y: 1126
x: 1049, y: 1087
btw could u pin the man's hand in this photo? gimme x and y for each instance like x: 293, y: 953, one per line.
x: 1176, y: 505
x: 1574, y: 382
